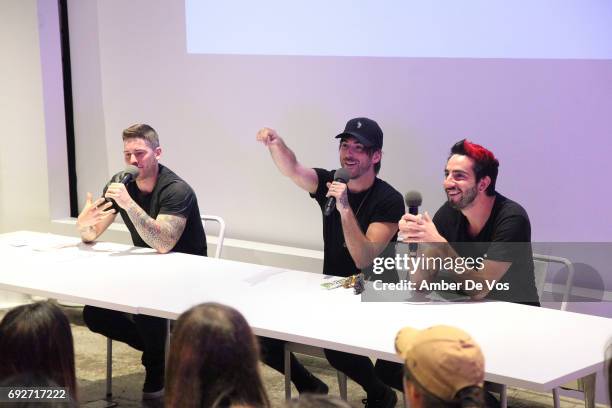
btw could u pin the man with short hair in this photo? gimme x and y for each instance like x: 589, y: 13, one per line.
x: 478, y: 222
x: 161, y: 212
x: 363, y: 223
x: 444, y: 367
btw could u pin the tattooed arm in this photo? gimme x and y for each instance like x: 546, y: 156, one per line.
x: 362, y: 247
x: 161, y: 233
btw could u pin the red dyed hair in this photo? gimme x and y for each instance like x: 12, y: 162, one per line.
x: 477, y: 152
x: 485, y: 163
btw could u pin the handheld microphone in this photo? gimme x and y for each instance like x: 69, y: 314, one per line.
x: 129, y: 174
x: 342, y: 175
x: 413, y: 201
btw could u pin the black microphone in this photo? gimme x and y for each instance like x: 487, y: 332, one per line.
x: 413, y: 201
x: 129, y: 174
x: 342, y: 175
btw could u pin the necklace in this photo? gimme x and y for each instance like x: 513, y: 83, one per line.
x: 363, y: 200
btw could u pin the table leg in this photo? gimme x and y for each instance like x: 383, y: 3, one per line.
x: 589, y: 390
x: 556, y: 400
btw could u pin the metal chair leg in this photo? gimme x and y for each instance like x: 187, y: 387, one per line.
x: 342, y: 384
x: 287, y: 373
x: 109, y: 368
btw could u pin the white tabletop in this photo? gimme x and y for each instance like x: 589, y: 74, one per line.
x: 524, y: 346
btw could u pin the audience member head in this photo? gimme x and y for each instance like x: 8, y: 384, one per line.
x: 485, y: 163
x: 444, y: 367
x: 214, y: 360
x: 317, y: 401
x: 37, y: 339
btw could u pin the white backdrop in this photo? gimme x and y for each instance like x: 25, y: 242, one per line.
x: 548, y: 121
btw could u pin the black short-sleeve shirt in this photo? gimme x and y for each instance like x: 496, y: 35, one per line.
x: 379, y: 203
x: 173, y: 196
x: 506, y: 236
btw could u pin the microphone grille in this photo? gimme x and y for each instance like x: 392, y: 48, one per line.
x: 131, y: 169
x: 342, y: 174
x: 413, y: 199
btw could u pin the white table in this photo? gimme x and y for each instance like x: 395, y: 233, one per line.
x: 527, y: 347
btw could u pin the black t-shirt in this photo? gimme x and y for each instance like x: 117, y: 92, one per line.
x: 173, y: 196
x: 506, y: 237
x: 379, y: 203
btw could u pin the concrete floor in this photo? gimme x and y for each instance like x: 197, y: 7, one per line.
x: 128, y: 375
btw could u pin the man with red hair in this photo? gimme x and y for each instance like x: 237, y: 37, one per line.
x: 479, y: 223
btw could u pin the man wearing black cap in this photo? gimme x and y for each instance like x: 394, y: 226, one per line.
x: 363, y: 223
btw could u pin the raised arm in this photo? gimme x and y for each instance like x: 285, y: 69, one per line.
x: 285, y: 160
x: 161, y: 233
x: 95, y: 218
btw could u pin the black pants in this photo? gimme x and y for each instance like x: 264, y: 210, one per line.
x: 273, y: 354
x: 358, y: 368
x: 144, y: 333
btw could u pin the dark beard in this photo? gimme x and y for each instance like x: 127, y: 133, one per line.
x: 468, y: 197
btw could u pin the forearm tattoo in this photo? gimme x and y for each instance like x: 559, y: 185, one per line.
x: 162, y: 233
x: 344, y: 201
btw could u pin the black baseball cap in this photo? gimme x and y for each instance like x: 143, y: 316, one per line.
x: 365, y: 130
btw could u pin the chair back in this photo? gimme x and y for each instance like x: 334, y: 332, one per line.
x: 221, y: 235
x: 541, y: 263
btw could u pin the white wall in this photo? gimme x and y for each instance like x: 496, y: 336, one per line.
x: 33, y: 170
x: 24, y: 198
x: 30, y: 147
x: 131, y: 65
x: 24, y: 193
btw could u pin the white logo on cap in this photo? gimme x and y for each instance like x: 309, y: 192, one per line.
x: 358, y: 125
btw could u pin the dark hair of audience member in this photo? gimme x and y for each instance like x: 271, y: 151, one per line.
x: 37, y: 381
x: 213, y: 361
x: 469, y: 397
x: 485, y: 163
x: 37, y: 339
x: 317, y: 401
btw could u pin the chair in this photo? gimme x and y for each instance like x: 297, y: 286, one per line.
x: 220, y: 235
x: 586, y: 384
x: 540, y: 263
x: 109, y: 343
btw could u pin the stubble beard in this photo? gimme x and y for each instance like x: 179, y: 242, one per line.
x: 467, y: 198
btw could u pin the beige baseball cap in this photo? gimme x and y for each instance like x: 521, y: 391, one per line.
x: 442, y: 359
